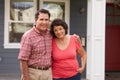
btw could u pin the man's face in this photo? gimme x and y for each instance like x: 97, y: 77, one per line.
x: 42, y: 23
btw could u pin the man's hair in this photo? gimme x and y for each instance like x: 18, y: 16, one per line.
x: 42, y: 11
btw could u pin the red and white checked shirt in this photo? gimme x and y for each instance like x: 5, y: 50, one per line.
x: 35, y: 48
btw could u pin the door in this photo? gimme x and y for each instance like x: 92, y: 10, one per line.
x: 112, y: 38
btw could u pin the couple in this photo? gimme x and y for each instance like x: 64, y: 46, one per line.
x: 50, y: 54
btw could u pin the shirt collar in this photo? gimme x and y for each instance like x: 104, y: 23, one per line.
x: 36, y: 30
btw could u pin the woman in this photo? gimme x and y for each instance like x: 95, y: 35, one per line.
x: 65, y: 48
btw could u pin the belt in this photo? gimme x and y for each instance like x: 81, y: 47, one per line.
x: 40, y: 68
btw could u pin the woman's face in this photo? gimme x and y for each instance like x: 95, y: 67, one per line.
x: 59, y: 31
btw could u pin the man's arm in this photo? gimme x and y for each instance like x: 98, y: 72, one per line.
x: 24, y: 69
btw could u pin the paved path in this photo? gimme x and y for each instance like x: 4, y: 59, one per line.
x: 109, y: 76
x: 9, y: 77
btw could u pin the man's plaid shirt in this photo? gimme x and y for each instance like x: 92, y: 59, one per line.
x: 35, y: 48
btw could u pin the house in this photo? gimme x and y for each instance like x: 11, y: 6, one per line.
x: 87, y: 18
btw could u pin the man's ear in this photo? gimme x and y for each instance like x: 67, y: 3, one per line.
x: 36, y: 19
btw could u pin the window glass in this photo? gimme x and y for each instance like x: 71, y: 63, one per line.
x: 21, y: 10
x: 21, y: 18
x: 117, y: 10
x: 117, y: 20
x: 56, y: 9
x: 117, y: 13
x: 109, y: 9
x: 113, y: 14
x: 16, y: 31
x: 110, y: 20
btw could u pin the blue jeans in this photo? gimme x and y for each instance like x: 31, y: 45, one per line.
x: 75, y: 77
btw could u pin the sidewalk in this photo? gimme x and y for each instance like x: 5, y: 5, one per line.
x: 109, y: 76
x: 112, y: 76
x: 11, y: 77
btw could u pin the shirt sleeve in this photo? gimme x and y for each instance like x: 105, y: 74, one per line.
x: 77, y: 41
x: 25, y: 48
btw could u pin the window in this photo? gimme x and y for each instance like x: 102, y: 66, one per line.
x: 19, y: 17
x: 113, y: 14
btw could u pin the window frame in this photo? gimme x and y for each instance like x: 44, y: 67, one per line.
x: 9, y: 45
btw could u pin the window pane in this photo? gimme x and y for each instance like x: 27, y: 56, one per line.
x: 22, y: 10
x: 109, y: 9
x: 110, y: 20
x: 117, y: 10
x: 117, y: 20
x: 16, y: 30
x: 57, y: 9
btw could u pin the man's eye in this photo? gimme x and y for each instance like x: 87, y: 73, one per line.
x: 46, y: 20
x: 41, y: 19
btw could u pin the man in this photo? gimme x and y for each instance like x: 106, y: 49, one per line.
x: 35, y: 51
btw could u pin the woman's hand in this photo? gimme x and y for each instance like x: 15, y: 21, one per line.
x: 81, y: 70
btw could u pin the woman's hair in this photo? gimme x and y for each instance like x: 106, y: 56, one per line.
x: 58, y: 22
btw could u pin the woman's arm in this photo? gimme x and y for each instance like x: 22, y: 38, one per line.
x: 83, y: 55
